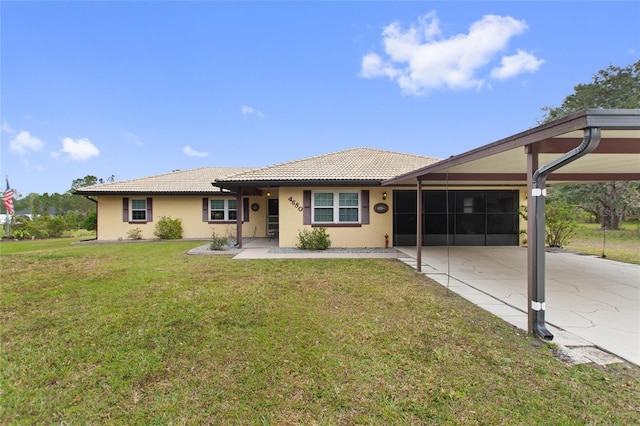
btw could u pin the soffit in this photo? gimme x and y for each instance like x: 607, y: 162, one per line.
x: 505, y: 162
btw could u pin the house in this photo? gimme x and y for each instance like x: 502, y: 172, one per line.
x: 341, y: 192
x: 368, y: 197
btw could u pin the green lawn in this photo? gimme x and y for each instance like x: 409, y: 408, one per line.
x: 622, y: 245
x: 141, y: 333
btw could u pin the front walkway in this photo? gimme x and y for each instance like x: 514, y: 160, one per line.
x: 263, y: 248
x: 590, y: 301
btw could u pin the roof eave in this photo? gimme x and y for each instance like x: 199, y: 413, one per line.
x: 299, y: 182
x: 609, y: 119
x: 137, y: 192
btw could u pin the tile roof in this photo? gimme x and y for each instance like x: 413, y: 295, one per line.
x: 351, y: 165
x: 192, y: 181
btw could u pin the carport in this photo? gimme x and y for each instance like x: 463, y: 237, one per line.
x: 593, y: 145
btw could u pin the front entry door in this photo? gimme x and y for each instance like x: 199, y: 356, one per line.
x: 272, y: 217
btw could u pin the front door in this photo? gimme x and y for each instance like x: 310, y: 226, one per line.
x: 272, y: 217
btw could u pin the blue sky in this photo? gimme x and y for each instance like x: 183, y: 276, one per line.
x: 133, y: 89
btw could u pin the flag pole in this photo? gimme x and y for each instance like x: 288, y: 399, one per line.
x: 8, y: 231
x: 8, y: 215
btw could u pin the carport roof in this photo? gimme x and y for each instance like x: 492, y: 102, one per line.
x: 504, y: 162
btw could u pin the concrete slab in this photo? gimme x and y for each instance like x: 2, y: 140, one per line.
x: 590, y: 301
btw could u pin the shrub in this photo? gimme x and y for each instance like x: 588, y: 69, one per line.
x: 168, y: 228
x: 42, y: 227
x: 314, y: 239
x: 135, y: 234
x: 561, y: 222
x: 90, y: 222
x: 218, y: 243
x: 20, y: 234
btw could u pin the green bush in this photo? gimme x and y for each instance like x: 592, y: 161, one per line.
x: 168, y: 228
x: 314, y: 239
x: 218, y: 243
x: 135, y: 234
x: 90, y: 222
x: 561, y: 222
x: 41, y: 227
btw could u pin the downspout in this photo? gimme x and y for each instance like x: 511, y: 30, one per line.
x: 589, y: 143
x: 239, y: 216
x: 419, y: 227
x: 95, y: 201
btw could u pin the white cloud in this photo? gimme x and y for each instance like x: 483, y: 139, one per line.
x: 193, y: 153
x: 249, y: 110
x: 24, y: 142
x: 7, y: 128
x: 81, y: 149
x: 519, y: 63
x: 420, y: 58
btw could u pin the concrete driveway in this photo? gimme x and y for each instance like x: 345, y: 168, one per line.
x: 590, y: 301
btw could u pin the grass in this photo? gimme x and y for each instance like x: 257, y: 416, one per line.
x: 622, y: 245
x: 144, y: 334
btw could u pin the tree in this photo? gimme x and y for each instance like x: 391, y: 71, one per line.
x: 613, y: 87
x: 609, y: 203
x: 90, y: 180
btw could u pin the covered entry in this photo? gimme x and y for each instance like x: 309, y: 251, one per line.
x: 457, y: 218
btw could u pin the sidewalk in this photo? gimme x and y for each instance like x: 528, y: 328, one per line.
x: 262, y: 248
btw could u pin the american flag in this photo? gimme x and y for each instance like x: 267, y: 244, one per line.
x: 7, y: 197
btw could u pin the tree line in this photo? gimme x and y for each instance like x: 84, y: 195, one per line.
x: 50, y: 215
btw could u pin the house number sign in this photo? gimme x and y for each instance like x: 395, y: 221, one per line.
x: 296, y: 204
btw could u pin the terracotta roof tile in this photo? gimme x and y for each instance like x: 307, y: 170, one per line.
x: 355, y: 164
x: 182, y: 181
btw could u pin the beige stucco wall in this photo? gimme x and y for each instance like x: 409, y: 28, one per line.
x: 187, y: 208
x: 372, y: 235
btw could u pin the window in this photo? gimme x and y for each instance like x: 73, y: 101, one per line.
x: 336, y: 207
x: 138, y: 210
x: 223, y: 210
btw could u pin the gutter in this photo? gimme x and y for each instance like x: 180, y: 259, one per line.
x: 589, y: 142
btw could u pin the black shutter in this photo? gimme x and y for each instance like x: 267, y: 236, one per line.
x: 125, y: 209
x: 306, y: 205
x: 149, y: 209
x: 205, y: 209
x: 245, y: 209
x: 364, y: 207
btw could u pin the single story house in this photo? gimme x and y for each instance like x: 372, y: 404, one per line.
x: 368, y: 197
x: 340, y: 191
